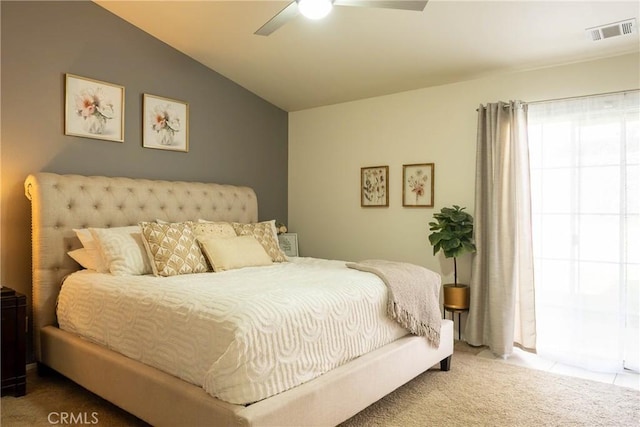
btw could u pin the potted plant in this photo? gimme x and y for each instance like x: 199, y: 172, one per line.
x: 453, y: 234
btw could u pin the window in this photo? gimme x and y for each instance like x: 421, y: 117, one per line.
x: 585, y: 189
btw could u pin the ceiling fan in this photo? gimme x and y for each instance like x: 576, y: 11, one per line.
x: 317, y: 9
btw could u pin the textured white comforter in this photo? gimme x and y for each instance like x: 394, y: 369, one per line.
x: 243, y: 335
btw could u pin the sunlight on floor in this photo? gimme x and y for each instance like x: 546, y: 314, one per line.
x: 529, y: 360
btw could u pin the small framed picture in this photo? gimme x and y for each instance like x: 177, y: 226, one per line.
x: 417, y: 185
x: 289, y: 243
x: 374, y: 186
x: 93, y: 109
x: 165, y: 123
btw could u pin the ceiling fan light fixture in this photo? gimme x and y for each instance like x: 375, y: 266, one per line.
x: 315, y: 9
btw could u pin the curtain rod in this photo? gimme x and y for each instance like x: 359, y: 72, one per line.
x: 572, y: 97
x: 581, y: 96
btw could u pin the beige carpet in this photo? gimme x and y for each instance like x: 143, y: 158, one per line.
x: 476, y: 392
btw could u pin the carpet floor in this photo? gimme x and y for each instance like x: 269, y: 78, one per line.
x: 475, y: 392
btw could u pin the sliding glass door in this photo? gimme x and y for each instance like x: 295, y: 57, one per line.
x: 585, y: 178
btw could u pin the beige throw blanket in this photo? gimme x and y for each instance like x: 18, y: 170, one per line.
x: 414, y: 295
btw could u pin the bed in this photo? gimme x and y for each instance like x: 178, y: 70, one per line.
x: 62, y: 203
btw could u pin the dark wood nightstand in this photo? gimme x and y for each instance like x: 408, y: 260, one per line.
x: 14, y: 328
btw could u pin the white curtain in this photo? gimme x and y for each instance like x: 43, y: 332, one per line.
x: 585, y: 170
x: 502, y: 296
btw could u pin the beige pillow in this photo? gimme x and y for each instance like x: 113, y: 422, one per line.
x: 122, y: 250
x: 213, y: 229
x: 172, y: 249
x: 83, y: 257
x: 86, y: 238
x: 265, y: 233
x: 234, y: 252
x: 209, y: 229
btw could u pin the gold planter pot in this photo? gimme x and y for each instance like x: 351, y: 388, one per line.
x: 456, y: 297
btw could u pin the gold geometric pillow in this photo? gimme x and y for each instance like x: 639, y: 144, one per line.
x: 265, y: 233
x: 172, y: 249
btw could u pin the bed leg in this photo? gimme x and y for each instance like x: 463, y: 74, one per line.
x: 445, y: 364
x: 44, y: 370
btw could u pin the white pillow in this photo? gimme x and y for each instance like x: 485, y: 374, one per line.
x: 122, y: 250
x: 234, y: 252
x: 83, y: 257
x: 86, y: 238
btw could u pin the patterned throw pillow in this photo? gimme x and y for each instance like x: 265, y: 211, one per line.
x: 265, y: 233
x: 172, y: 249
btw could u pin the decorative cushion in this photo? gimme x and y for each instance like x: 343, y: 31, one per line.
x: 234, y: 252
x: 213, y: 229
x: 122, y: 250
x: 83, y: 257
x: 172, y: 249
x: 265, y: 233
x: 86, y: 238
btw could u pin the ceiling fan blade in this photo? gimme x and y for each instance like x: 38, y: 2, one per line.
x: 281, y: 18
x: 391, y: 4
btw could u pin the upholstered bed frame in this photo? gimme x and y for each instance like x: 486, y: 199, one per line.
x: 61, y: 203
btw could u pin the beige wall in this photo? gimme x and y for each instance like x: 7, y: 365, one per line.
x: 329, y: 145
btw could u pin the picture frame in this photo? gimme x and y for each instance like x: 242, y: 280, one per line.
x: 418, y: 185
x: 289, y: 243
x: 165, y: 123
x: 374, y: 186
x: 93, y: 108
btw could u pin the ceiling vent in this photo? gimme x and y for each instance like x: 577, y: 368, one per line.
x: 612, y: 30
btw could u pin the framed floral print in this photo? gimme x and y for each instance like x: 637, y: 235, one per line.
x: 374, y: 186
x: 93, y: 109
x: 417, y: 185
x: 165, y: 123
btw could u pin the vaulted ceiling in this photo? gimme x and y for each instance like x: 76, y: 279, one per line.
x: 357, y: 53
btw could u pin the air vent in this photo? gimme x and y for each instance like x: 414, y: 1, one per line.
x: 612, y: 30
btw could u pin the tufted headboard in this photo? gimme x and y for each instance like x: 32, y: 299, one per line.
x: 60, y: 203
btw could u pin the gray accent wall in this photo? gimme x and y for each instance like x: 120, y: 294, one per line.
x: 235, y: 137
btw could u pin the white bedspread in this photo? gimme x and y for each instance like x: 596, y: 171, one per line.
x: 243, y: 335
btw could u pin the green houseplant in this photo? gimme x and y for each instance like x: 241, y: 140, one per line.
x: 452, y: 233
